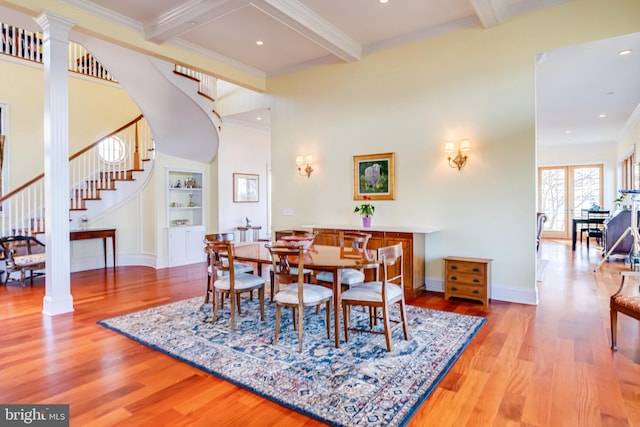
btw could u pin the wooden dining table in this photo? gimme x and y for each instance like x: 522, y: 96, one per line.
x: 322, y: 258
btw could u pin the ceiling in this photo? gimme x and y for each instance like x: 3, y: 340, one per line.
x: 574, y: 85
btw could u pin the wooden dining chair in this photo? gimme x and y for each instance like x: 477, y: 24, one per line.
x: 299, y: 294
x: 380, y: 294
x: 239, y: 267
x: 230, y: 282
x: 294, y: 271
x: 596, y: 230
x: 348, y: 276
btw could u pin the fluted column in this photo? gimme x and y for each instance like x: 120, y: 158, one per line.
x: 58, y: 298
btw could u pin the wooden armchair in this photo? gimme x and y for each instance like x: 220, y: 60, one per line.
x: 627, y: 301
x: 21, y: 254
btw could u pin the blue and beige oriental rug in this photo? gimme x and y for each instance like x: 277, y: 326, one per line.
x: 358, y: 384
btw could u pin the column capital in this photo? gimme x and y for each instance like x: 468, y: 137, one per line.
x: 50, y: 20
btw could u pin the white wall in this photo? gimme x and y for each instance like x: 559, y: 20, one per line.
x: 247, y: 150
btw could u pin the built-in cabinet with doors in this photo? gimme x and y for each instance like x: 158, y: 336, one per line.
x: 185, y: 216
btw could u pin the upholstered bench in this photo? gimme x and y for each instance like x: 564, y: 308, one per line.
x: 21, y: 254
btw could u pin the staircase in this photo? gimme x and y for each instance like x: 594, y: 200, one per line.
x: 93, y: 181
x: 163, y: 94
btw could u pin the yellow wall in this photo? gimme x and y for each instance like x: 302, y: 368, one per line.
x: 95, y: 110
x: 476, y: 84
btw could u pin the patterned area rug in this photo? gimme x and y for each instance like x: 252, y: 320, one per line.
x: 358, y: 384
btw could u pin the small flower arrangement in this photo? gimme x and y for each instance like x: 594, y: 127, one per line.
x: 365, y: 209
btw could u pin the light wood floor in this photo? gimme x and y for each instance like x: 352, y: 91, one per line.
x: 545, y: 365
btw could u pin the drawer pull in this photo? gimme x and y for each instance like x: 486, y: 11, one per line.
x: 453, y: 288
x: 476, y: 280
x: 454, y: 278
x: 476, y: 269
x: 475, y: 291
x: 454, y: 267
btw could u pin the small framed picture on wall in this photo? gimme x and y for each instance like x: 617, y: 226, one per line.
x: 245, y: 188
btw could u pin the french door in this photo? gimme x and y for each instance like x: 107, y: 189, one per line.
x: 564, y: 192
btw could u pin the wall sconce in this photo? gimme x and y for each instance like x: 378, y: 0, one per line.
x: 461, y: 159
x: 308, y: 159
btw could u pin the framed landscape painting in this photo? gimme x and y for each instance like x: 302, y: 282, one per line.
x: 374, y: 176
x: 245, y: 188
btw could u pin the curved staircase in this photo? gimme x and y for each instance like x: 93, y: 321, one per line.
x: 93, y: 183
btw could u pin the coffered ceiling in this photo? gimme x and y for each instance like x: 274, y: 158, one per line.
x: 574, y: 85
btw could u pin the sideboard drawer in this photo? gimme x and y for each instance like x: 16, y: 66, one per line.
x: 476, y: 268
x: 468, y: 278
x: 461, y: 290
x: 465, y: 278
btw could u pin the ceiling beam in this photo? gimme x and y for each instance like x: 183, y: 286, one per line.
x: 490, y: 12
x: 187, y: 16
x: 305, y: 21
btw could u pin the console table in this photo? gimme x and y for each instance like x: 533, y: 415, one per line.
x: 97, y: 233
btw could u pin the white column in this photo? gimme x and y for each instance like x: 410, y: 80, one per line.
x: 57, y: 299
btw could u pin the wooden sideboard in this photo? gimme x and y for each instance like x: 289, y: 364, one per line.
x: 413, y: 247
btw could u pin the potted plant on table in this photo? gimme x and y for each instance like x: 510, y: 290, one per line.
x: 366, y: 211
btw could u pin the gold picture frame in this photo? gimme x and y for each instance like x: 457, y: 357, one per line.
x: 374, y: 176
x: 245, y: 188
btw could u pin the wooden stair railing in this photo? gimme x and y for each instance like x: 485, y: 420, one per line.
x: 207, y: 85
x: 22, y: 210
x: 27, y: 45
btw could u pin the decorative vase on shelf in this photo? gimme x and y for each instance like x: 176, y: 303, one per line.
x: 366, y: 221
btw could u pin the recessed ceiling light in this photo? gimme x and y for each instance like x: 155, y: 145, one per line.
x: 383, y: 1
x: 567, y: 132
x: 602, y: 116
x: 258, y: 118
x: 259, y: 42
x: 624, y: 52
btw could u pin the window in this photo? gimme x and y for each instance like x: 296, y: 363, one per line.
x: 630, y: 175
x: 564, y: 192
x: 111, y: 149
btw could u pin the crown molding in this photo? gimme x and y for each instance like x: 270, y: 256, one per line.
x: 105, y: 13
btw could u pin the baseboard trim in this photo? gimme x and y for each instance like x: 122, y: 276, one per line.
x: 92, y: 263
x: 500, y: 293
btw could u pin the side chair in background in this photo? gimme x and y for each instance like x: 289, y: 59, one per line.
x: 238, y: 266
x: 230, y: 282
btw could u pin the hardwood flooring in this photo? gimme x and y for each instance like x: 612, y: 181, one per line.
x: 545, y: 365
